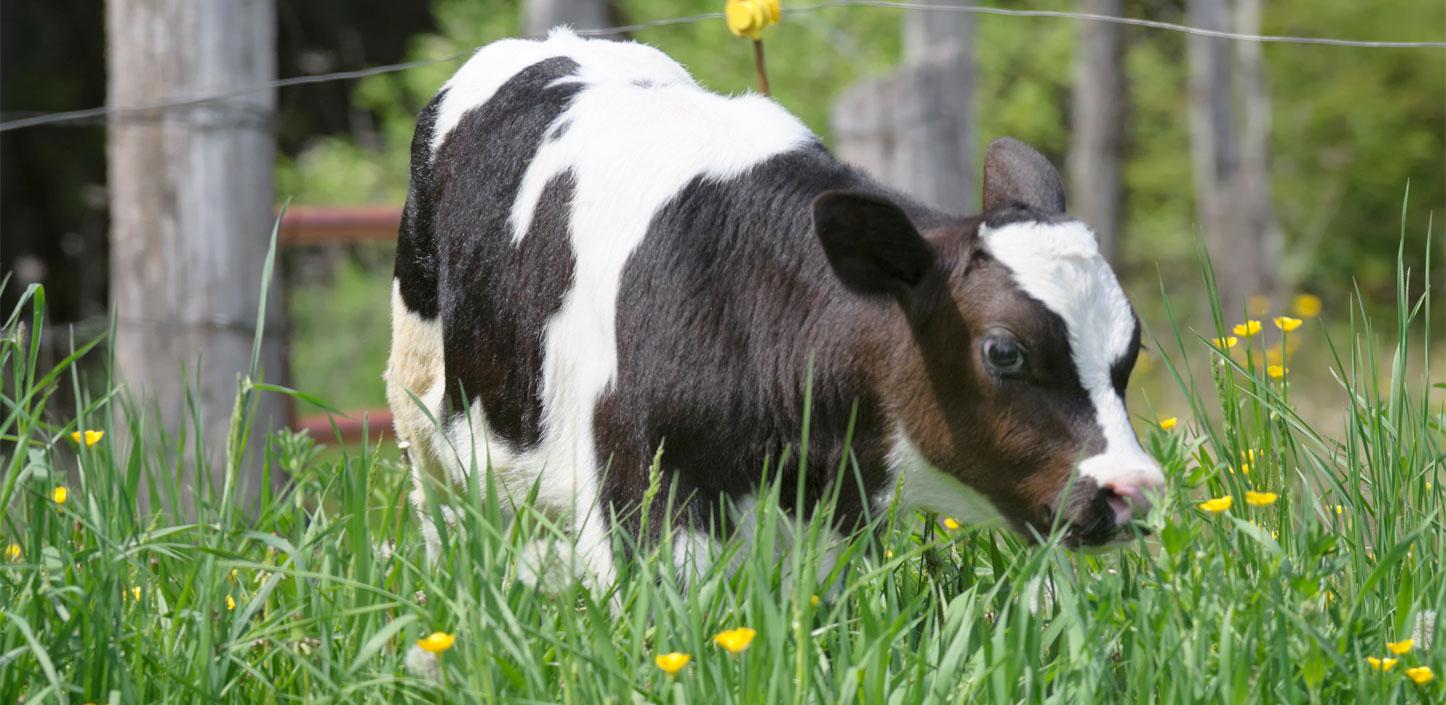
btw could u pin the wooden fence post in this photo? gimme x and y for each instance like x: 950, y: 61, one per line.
x: 914, y: 129
x: 191, y: 205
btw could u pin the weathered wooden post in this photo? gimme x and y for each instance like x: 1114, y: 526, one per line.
x: 542, y: 15
x: 1231, y: 153
x: 1100, y: 107
x: 192, y: 208
x: 914, y: 129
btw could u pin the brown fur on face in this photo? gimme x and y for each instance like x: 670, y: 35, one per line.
x: 1014, y: 439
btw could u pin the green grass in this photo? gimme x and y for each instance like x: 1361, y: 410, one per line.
x: 203, y: 603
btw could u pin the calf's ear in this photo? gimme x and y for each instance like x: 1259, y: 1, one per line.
x: 871, y: 245
x: 1015, y: 174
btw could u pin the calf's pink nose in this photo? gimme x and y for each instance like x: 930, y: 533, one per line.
x: 1130, y: 498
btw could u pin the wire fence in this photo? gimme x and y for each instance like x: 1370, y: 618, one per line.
x: 107, y: 113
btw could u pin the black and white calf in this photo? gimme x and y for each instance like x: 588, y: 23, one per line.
x: 599, y: 258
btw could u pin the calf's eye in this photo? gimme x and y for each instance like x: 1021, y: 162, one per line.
x: 1003, y: 353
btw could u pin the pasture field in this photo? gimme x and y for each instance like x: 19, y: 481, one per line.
x: 1330, y: 550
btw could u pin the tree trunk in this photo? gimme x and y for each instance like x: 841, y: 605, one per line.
x: 1230, y: 152
x: 191, y: 205
x: 914, y: 129
x: 1100, y: 111
x: 543, y: 15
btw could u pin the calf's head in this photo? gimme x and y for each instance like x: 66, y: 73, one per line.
x: 1006, y: 374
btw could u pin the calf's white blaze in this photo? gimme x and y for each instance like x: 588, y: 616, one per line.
x: 637, y: 133
x: 1059, y: 265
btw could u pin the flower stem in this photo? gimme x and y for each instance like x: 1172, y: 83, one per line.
x: 762, y: 69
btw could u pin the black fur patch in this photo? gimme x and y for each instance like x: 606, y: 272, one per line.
x: 495, y: 297
x: 720, y: 308
x: 416, y: 270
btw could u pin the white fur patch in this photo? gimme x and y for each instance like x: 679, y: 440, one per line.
x: 599, y: 61
x: 930, y: 489
x: 638, y: 132
x: 1060, y: 265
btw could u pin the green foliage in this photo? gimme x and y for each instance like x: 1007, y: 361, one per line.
x: 318, y: 594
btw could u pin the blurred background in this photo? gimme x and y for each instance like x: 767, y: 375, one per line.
x: 1290, y: 161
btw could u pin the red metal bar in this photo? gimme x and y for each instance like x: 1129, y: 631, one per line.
x: 341, y: 225
x: 326, y: 225
x: 378, y: 425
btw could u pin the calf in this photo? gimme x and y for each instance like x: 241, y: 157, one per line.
x: 599, y: 258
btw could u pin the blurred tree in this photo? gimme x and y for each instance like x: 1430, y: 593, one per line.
x: 1099, y: 108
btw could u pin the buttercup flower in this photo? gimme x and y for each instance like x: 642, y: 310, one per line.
x: 1420, y: 675
x: 1381, y: 664
x: 59, y: 494
x: 1307, y: 305
x: 1286, y: 323
x: 1260, y: 499
x: 90, y: 436
x: 437, y: 642
x: 734, y: 641
x: 1276, y: 371
x: 813, y: 600
x: 136, y: 593
x: 1246, y: 329
x: 1340, y: 510
x: 12, y: 552
x: 1400, y: 647
x: 747, y: 18
x: 951, y: 523
x: 1217, y: 505
x: 1227, y: 342
x: 673, y: 662
x: 1169, y: 423
x: 230, y: 603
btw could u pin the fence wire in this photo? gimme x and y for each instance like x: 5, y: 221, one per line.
x: 107, y: 113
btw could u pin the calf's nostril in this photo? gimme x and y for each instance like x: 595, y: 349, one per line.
x: 1127, y: 500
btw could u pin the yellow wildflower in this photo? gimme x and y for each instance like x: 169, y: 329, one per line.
x: 1276, y: 371
x: 1339, y: 510
x: 436, y: 642
x: 60, y: 494
x: 1307, y: 305
x: 1400, y: 647
x: 813, y: 600
x: 747, y: 18
x: 1420, y: 675
x: 136, y: 593
x: 1246, y: 329
x: 1260, y: 499
x: 734, y: 641
x: 91, y: 436
x: 1381, y: 664
x: 951, y: 523
x: 230, y: 603
x: 673, y: 662
x: 12, y: 552
x: 1245, y: 468
x: 1286, y: 323
x: 1227, y: 342
x: 1169, y: 423
x: 1217, y: 505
